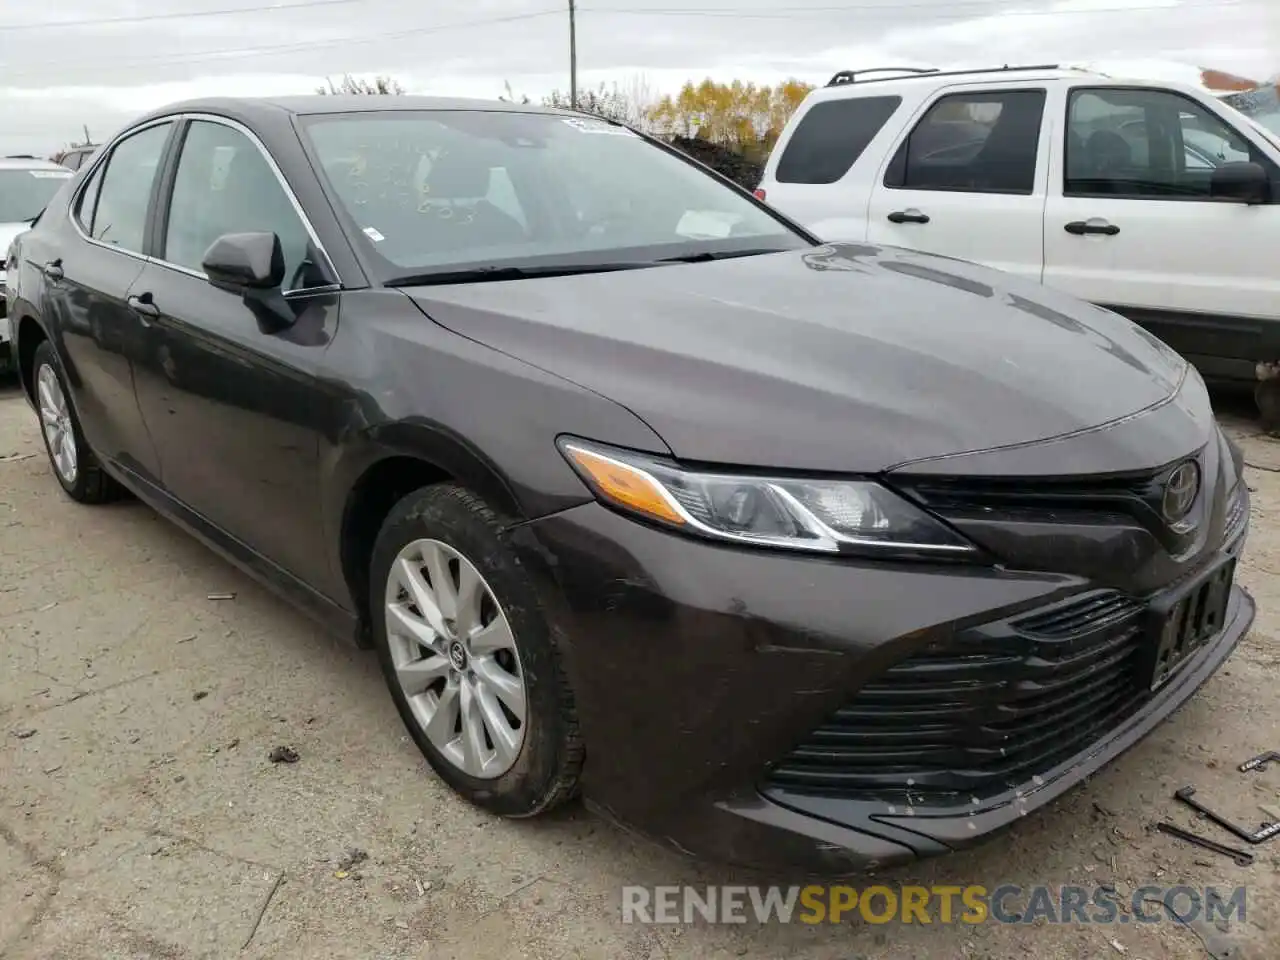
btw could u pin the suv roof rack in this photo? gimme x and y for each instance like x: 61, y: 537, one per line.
x: 853, y: 76
x: 21, y: 156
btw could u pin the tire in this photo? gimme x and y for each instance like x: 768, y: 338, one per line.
x: 86, y: 481
x: 449, y: 525
x: 1267, y: 397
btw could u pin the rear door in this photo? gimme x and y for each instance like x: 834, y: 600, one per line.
x: 87, y: 280
x: 1130, y: 224
x: 967, y: 178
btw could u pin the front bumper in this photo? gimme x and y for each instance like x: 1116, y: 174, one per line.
x: 698, y: 668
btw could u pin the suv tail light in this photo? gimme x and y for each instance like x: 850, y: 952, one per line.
x: 759, y: 193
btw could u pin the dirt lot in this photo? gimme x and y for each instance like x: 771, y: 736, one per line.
x: 140, y: 816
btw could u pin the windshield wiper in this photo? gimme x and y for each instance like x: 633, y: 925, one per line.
x: 492, y: 274
x: 707, y: 255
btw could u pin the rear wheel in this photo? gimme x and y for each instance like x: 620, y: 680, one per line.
x: 1267, y: 396
x: 469, y: 657
x: 73, y: 463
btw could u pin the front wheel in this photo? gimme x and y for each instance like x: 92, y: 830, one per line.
x: 469, y: 657
x: 74, y: 464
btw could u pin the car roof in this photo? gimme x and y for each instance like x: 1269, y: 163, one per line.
x: 29, y: 163
x: 267, y: 108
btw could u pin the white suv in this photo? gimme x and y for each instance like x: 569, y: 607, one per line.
x: 1154, y: 199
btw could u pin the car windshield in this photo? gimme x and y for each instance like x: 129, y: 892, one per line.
x: 25, y: 192
x: 1269, y: 126
x: 447, y: 191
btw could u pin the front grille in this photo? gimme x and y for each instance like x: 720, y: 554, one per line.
x: 980, y: 714
x: 1081, y: 499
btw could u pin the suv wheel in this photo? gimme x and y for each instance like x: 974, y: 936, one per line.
x: 73, y: 463
x: 1267, y: 396
x: 469, y: 656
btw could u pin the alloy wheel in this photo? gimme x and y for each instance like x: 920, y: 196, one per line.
x: 455, y: 659
x: 55, y: 421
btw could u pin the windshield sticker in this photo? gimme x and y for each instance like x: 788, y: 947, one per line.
x: 50, y: 174
x: 597, y: 126
x: 373, y: 235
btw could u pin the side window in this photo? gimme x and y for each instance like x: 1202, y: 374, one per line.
x: 224, y: 185
x: 1140, y: 143
x: 89, y: 200
x: 973, y: 143
x: 120, y: 217
x: 831, y: 136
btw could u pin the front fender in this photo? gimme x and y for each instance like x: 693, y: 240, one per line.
x: 434, y: 444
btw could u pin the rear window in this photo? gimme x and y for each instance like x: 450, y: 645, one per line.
x: 831, y: 136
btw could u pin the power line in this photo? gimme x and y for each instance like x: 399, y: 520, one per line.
x: 888, y: 11
x: 190, y: 15
x: 235, y: 53
x: 892, y: 11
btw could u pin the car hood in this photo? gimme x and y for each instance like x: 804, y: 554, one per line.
x: 845, y: 357
x: 7, y: 232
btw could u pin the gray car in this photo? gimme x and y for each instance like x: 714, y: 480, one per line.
x: 788, y: 553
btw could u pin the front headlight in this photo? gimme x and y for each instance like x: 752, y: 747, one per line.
x: 818, y: 515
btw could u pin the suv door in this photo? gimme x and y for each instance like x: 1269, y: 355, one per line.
x: 87, y: 281
x: 229, y: 392
x: 968, y: 178
x: 1130, y: 224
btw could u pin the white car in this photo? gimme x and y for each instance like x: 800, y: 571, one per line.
x: 1154, y: 199
x: 26, y: 185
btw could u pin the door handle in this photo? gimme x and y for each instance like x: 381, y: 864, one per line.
x: 145, y: 310
x: 908, y: 216
x: 53, y: 271
x: 1080, y: 228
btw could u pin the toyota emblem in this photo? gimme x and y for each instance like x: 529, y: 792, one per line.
x: 1180, y: 492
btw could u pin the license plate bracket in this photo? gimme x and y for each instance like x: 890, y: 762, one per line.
x: 1180, y: 623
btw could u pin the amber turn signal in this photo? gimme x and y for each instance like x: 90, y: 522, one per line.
x: 624, y: 485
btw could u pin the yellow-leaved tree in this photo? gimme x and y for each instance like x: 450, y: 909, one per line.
x: 742, y: 117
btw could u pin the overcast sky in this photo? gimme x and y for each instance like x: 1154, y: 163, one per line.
x: 56, y: 78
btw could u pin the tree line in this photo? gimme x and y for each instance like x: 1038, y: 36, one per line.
x: 730, y: 127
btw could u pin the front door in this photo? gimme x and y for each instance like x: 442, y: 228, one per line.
x: 967, y: 180
x: 227, y: 392
x: 1130, y: 224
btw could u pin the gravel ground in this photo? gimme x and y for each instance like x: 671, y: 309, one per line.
x: 140, y: 816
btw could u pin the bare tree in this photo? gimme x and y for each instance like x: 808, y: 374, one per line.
x: 380, y: 85
x: 511, y: 97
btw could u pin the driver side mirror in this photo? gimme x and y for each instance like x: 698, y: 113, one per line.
x: 1241, y: 182
x: 245, y: 261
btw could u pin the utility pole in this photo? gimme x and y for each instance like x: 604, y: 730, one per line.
x: 573, y: 56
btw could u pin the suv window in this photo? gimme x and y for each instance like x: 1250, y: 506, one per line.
x: 120, y: 217
x: 224, y: 184
x: 1146, y: 144
x: 973, y: 143
x: 831, y: 136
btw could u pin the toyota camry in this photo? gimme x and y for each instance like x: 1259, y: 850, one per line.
x: 787, y: 553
